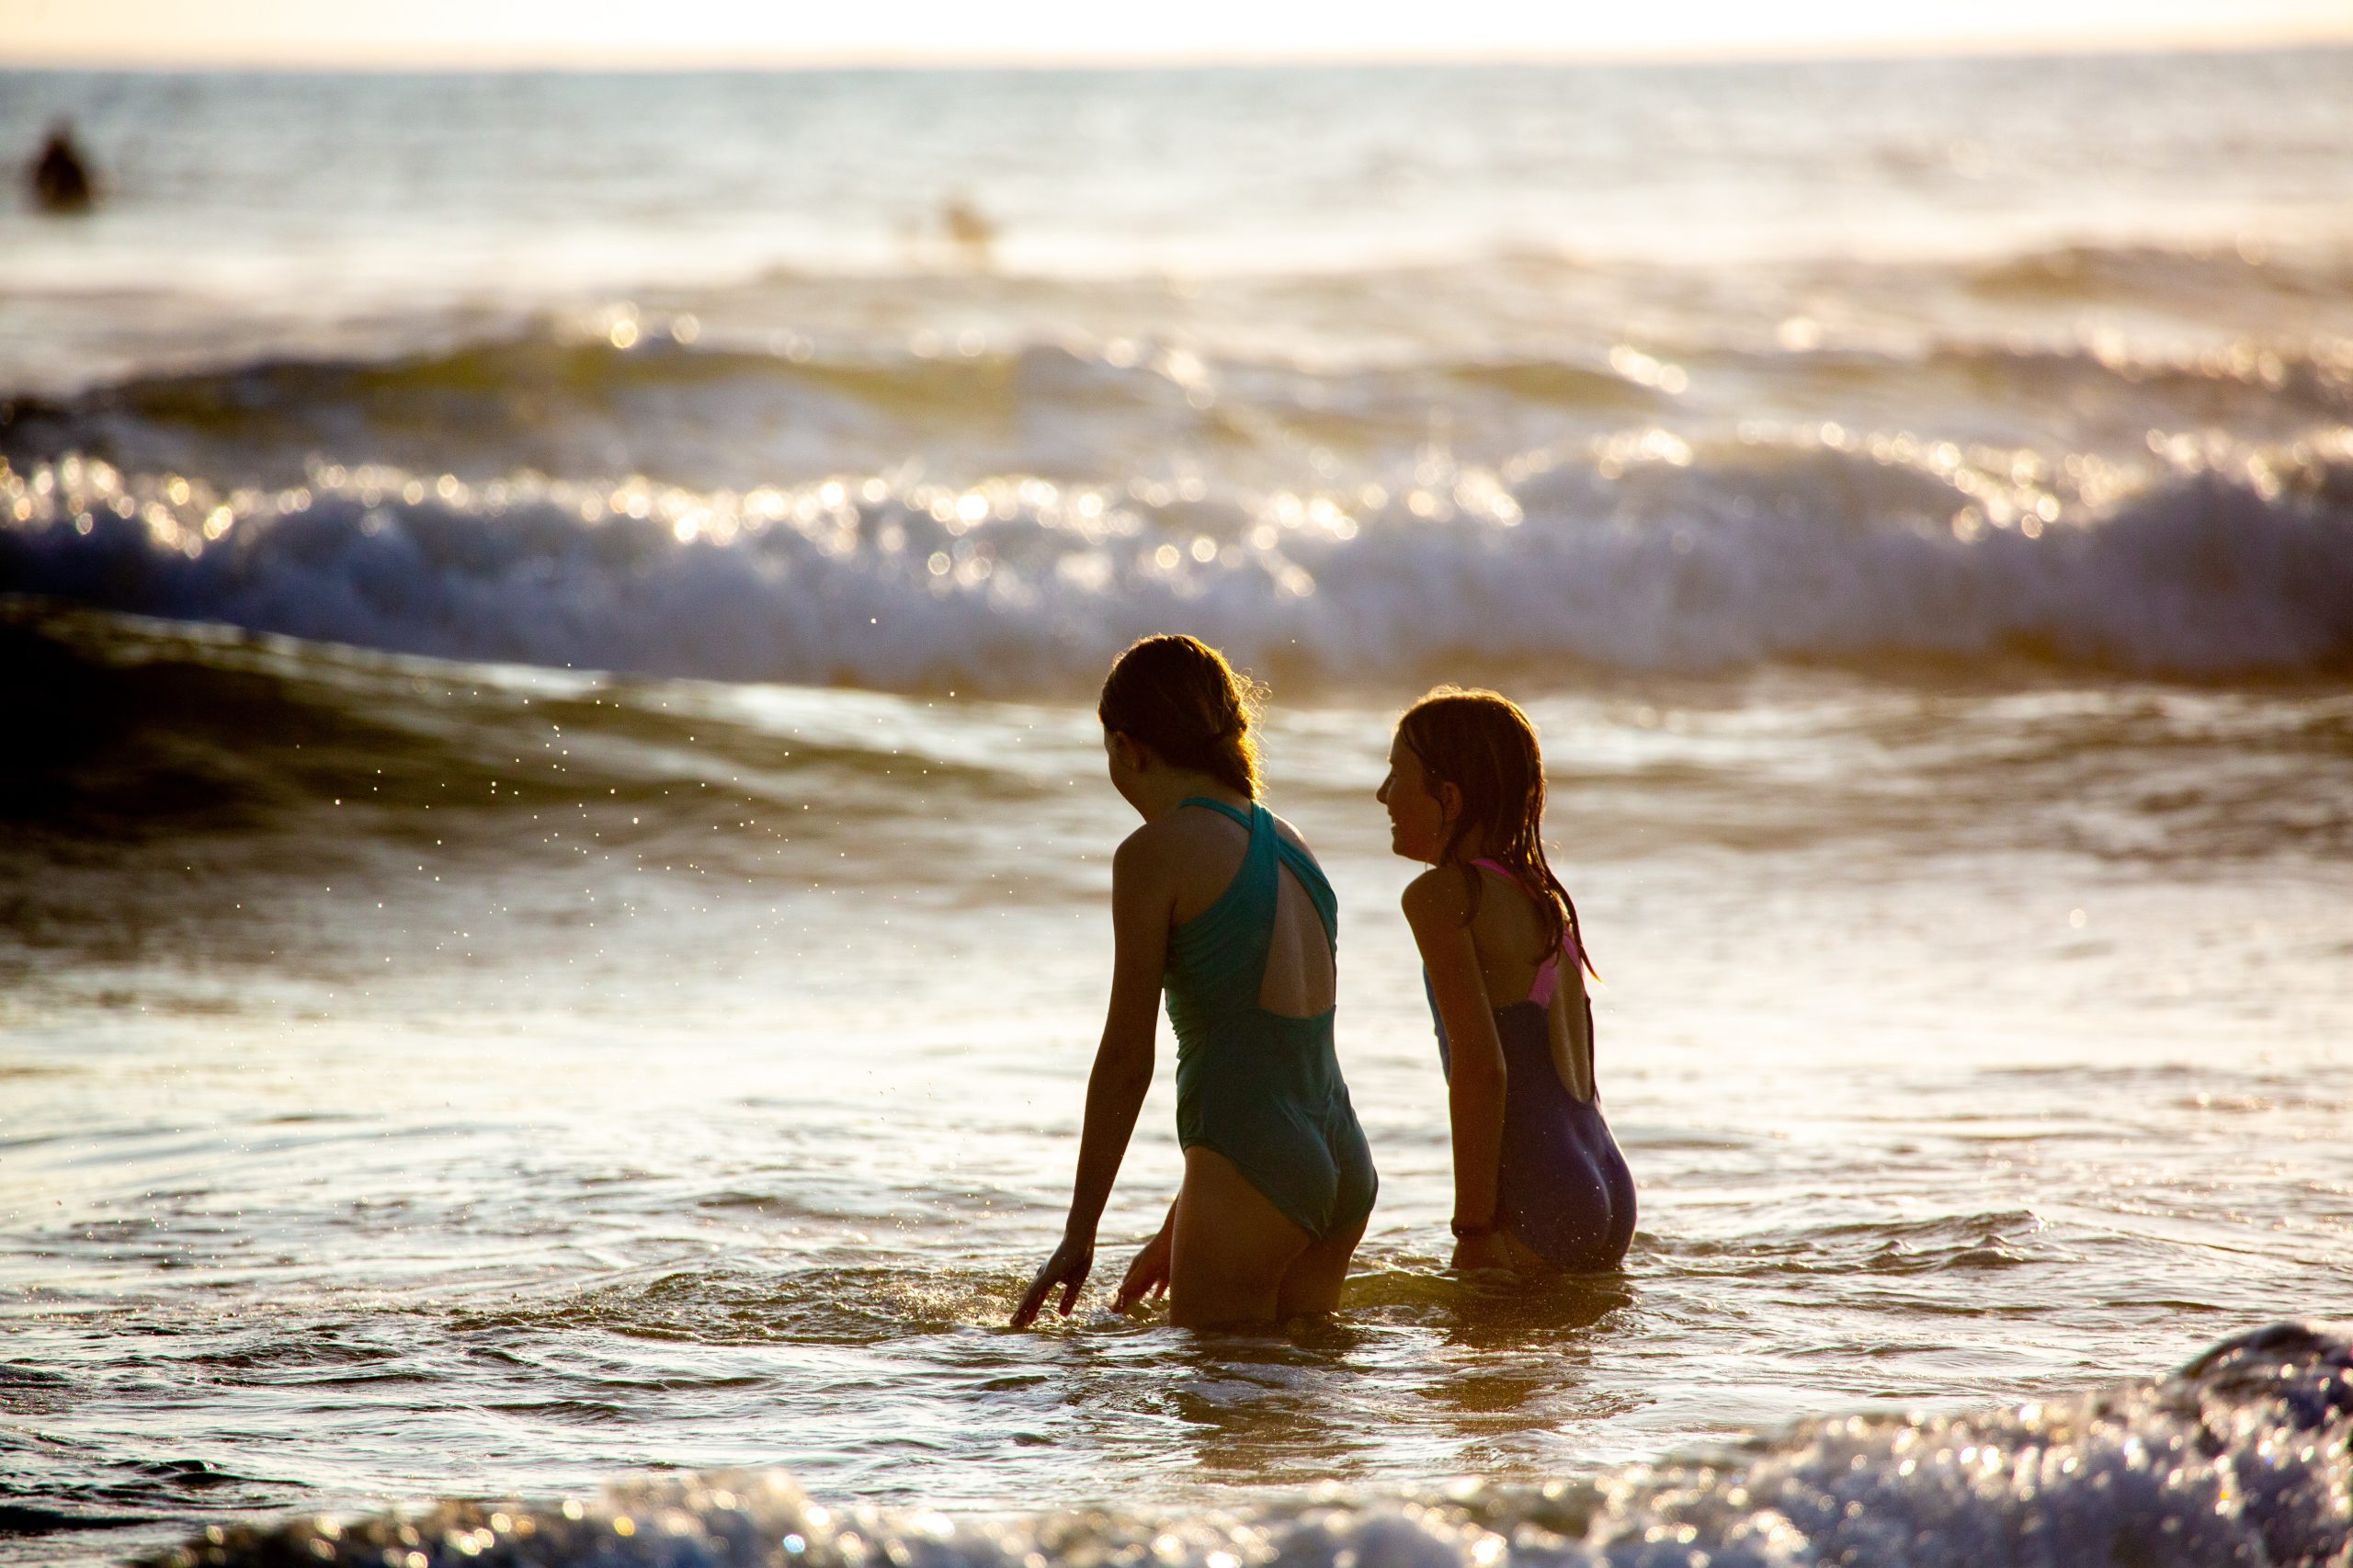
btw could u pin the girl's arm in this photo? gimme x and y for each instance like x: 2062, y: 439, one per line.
x: 1122, y: 1073
x: 1435, y: 908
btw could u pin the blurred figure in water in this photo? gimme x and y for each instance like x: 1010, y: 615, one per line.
x: 970, y: 230
x: 1539, y: 1184
x: 1219, y: 901
x: 59, y: 176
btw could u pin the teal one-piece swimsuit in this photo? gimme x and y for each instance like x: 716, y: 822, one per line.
x: 1262, y: 1088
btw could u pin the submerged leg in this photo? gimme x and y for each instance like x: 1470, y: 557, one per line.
x: 1233, y: 1247
x: 1313, y: 1283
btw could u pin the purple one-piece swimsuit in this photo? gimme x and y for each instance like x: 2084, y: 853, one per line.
x: 1564, y: 1187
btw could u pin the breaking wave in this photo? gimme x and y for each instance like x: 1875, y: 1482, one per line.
x: 1645, y: 555
x: 661, y: 396
x: 2245, y: 1456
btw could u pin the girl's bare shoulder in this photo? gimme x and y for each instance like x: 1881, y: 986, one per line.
x: 1148, y: 846
x: 1296, y: 839
x: 1173, y: 840
x: 1436, y: 895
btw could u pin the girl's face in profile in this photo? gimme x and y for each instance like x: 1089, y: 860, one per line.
x: 1417, y: 816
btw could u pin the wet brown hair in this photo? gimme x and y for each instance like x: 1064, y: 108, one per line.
x: 1482, y: 744
x: 1179, y: 696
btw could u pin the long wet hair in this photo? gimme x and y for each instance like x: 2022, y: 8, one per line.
x: 1482, y: 744
x: 1179, y: 696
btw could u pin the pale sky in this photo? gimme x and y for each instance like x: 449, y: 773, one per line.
x: 456, y: 33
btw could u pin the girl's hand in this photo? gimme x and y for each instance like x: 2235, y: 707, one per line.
x: 1072, y: 1263
x: 1472, y: 1254
x: 1148, y: 1275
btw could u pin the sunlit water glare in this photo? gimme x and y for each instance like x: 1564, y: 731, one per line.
x: 701, y: 1094
x: 552, y: 905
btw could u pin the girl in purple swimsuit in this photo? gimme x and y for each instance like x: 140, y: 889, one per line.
x: 1538, y: 1182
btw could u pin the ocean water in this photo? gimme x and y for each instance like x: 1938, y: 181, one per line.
x: 553, y: 853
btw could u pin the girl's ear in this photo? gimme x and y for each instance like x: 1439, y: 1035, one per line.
x: 1132, y: 752
x: 1450, y: 802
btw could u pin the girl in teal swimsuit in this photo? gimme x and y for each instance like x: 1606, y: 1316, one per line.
x: 1217, y: 902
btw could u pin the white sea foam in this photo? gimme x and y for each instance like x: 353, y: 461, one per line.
x: 2246, y: 1457
x: 1641, y: 559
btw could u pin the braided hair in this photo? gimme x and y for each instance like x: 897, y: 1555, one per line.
x: 1178, y: 696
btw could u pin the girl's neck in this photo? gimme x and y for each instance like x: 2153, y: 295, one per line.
x: 1472, y: 845
x: 1163, y: 789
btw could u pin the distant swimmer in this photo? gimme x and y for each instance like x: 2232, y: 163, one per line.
x: 1539, y: 1184
x: 969, y: 230
x: 60, y: 176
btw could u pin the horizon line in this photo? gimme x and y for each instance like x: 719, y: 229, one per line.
x: 655, y: 62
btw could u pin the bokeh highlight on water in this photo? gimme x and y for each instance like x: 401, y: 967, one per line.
x: 554, y: 883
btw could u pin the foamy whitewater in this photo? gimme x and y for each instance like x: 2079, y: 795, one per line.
x: 2246, y: 1457
x: 552, y: 905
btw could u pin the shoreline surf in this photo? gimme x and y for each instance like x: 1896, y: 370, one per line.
x: 2244, y: 1455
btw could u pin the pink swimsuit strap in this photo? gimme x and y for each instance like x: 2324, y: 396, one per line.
x: 1547, y: 974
